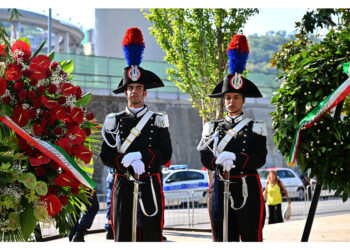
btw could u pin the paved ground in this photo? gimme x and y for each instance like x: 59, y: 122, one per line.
x: 335, y: 228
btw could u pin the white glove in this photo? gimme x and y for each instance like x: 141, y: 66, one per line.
x: 130, y: 157
x: 225, y: 155
x: 139, y: 167
x: 228, y: 165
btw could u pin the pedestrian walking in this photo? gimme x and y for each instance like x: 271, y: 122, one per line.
x: 273, y: 191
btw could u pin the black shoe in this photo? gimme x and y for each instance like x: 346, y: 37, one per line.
x: 109, y: 235
x: 78, y: 237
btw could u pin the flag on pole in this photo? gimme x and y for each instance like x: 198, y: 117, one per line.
x: 55, y: 152
x: 320, y: 110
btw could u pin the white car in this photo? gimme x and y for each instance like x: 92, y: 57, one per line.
x: 290, y: 179
x: 180, y: 186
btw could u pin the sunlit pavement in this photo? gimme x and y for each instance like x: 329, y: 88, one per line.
x: 335, y: 228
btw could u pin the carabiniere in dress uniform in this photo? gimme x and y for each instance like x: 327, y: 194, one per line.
x: 235, y: 146
x: 136, y: 144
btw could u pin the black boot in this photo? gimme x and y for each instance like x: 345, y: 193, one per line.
x: 109, y: 234
x: 79, y: 236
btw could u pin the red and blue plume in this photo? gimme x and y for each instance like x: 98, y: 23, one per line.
x: 237, y: 52
x: 133, y: 46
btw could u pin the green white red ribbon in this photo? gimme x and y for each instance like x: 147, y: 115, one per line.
x: 320, y: 110
x: 55, y: 152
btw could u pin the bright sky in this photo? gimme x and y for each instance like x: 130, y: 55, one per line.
x: 268, y: 19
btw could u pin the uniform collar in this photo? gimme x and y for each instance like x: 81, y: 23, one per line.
x: 138, y: 114
x: 236, y: 119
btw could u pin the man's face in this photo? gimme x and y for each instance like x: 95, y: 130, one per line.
x: 234, y: 103
x: 135, y: 93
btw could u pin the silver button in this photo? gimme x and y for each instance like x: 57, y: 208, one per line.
x: 121, y: 126
x: 121, y: 132
x: 149, y: 145
x: 151, y: 125
x: 245, y: 135
x: 243, y: 149
x: 150, y: 138
x: 243, y: 141
x: 151, y: 131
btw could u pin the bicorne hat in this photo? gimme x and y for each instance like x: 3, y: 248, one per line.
x: 133, y: 47
x: 237, y: 52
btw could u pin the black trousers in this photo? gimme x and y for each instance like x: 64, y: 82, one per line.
x: 245, y: 224
x: 275, y: 214
x: 149, y: 228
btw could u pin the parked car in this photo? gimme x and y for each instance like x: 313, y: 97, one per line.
x: 180, y: 185
x: 290, y: 179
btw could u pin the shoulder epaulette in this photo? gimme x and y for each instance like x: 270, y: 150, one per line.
x: 162, y: 120
x: 208, y: 127
x: 259, y: 127
x: 110, y: 121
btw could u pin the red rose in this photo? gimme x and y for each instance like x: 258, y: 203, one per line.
x: 37, y: 129
x: 54, y: 65
x: 13, y: 72
x: 52, y: 190
x: 23, y: 94
x: 76, y: 135
x: 37, y: 103
x: 63, y: 199
x: 90, y: 116
x: 44, y: 115
x: 67, y: 89
x: 26, y: 73
x: 42, y: 60
x: 78, y: 92
x: 75, y: 190
x: 18, y: 86
x: 41, y: 89
x: 38, y: 72
x: 31, y: 95
x: 34, y: 82
x: 24, y: 47
x: 52, y: 88
x: 40, y: 171
x: 62, y: 100
x: 54, y: 166
x: 48, y: 73
x: 32, y: 114
x: 58, y: 131
x: 52, y: 203
x: 6, y: 100
x: 3, y: 86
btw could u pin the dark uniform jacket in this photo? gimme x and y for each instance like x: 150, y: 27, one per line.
x: 154, y: 144
x: 249, y: 146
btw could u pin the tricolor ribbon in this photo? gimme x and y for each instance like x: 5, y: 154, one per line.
x: 320, y: 110
x: 55, y: 152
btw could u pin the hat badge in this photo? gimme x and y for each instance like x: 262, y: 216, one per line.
x: 236, y: 81
x: 134, y: 73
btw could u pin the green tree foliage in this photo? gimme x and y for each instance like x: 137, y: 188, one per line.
x: 262, y: 48
x: 310, y: 72
x: 195, y: 42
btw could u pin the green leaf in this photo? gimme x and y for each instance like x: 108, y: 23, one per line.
x: 39, y: 49
x: 67, y: 66
x: 345, y: 195
x: 28, y: 220
x: 4, y: 179
x: 52, y: 55
x: 24, y: 39
x: 84, y: 100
